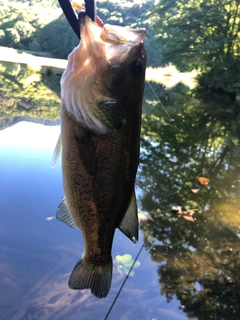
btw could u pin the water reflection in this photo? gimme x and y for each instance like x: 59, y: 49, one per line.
x: 37, y: 254
x: 25, y: 93
x: 192, y: 265
x: 198, y: 261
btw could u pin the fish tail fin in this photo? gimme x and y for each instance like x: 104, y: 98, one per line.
x: 90, y: 276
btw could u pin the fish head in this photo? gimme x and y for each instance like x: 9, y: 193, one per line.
x: 104, y: 73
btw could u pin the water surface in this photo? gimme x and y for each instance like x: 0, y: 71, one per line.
x: 189, y: 265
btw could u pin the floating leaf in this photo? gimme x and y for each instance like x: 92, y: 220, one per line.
x: 188, y: 218
x: 125, y: 263
x: 126, y: 258
x: 203, y: 180
x: 118, y: 258
x: 50, y: 218
x: 195, y: 190
x: 143, y: 216
x: 176, y: 209
x: 128, y: 264
x: 120, y: 269
x: 137, y: 264
x: 132, y: 273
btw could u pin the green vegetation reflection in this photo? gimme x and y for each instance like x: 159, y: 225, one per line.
x: 192, y: 163
x: 25, y: 92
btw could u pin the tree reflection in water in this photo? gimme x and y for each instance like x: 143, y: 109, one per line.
x: 198, y: 261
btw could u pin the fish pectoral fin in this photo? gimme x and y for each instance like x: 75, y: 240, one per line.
x: 129, y: 223
x: 57, y: 152
x: 112, y: 114
x: 87, y: 151
x: 65, y: 216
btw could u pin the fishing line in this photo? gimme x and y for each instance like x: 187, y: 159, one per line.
x: 165, y: 110
x: 135, y: 260
x: 146, y: 238
x: 127, y: 276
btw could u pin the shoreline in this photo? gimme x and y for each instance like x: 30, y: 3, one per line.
x: 15, y: 56
x: 168, y: 75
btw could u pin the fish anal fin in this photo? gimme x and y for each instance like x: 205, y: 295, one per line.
x: 129, y: 223
x: 57, y: 152
x: 87, y: 151
x: 65, y: 216
x: 89, y: 276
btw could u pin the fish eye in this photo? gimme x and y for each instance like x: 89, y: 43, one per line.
x: 136, y: 67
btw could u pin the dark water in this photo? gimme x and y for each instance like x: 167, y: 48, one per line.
x: 189, y: 266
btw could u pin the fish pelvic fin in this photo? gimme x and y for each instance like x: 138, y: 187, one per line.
x: 65, y: 216
x: 129, y: 223
x: 90, y: 276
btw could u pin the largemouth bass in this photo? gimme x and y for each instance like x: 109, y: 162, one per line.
x: 101, y: 92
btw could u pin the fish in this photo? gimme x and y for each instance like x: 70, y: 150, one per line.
x: 101, y: 107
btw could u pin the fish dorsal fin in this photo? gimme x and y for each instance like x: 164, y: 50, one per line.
x: 65, y: 216
x: 129, y: 223
x: 57, y: 152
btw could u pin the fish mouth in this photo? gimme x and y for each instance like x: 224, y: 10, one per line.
x: 102, y: 42
x: 101, y: 72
